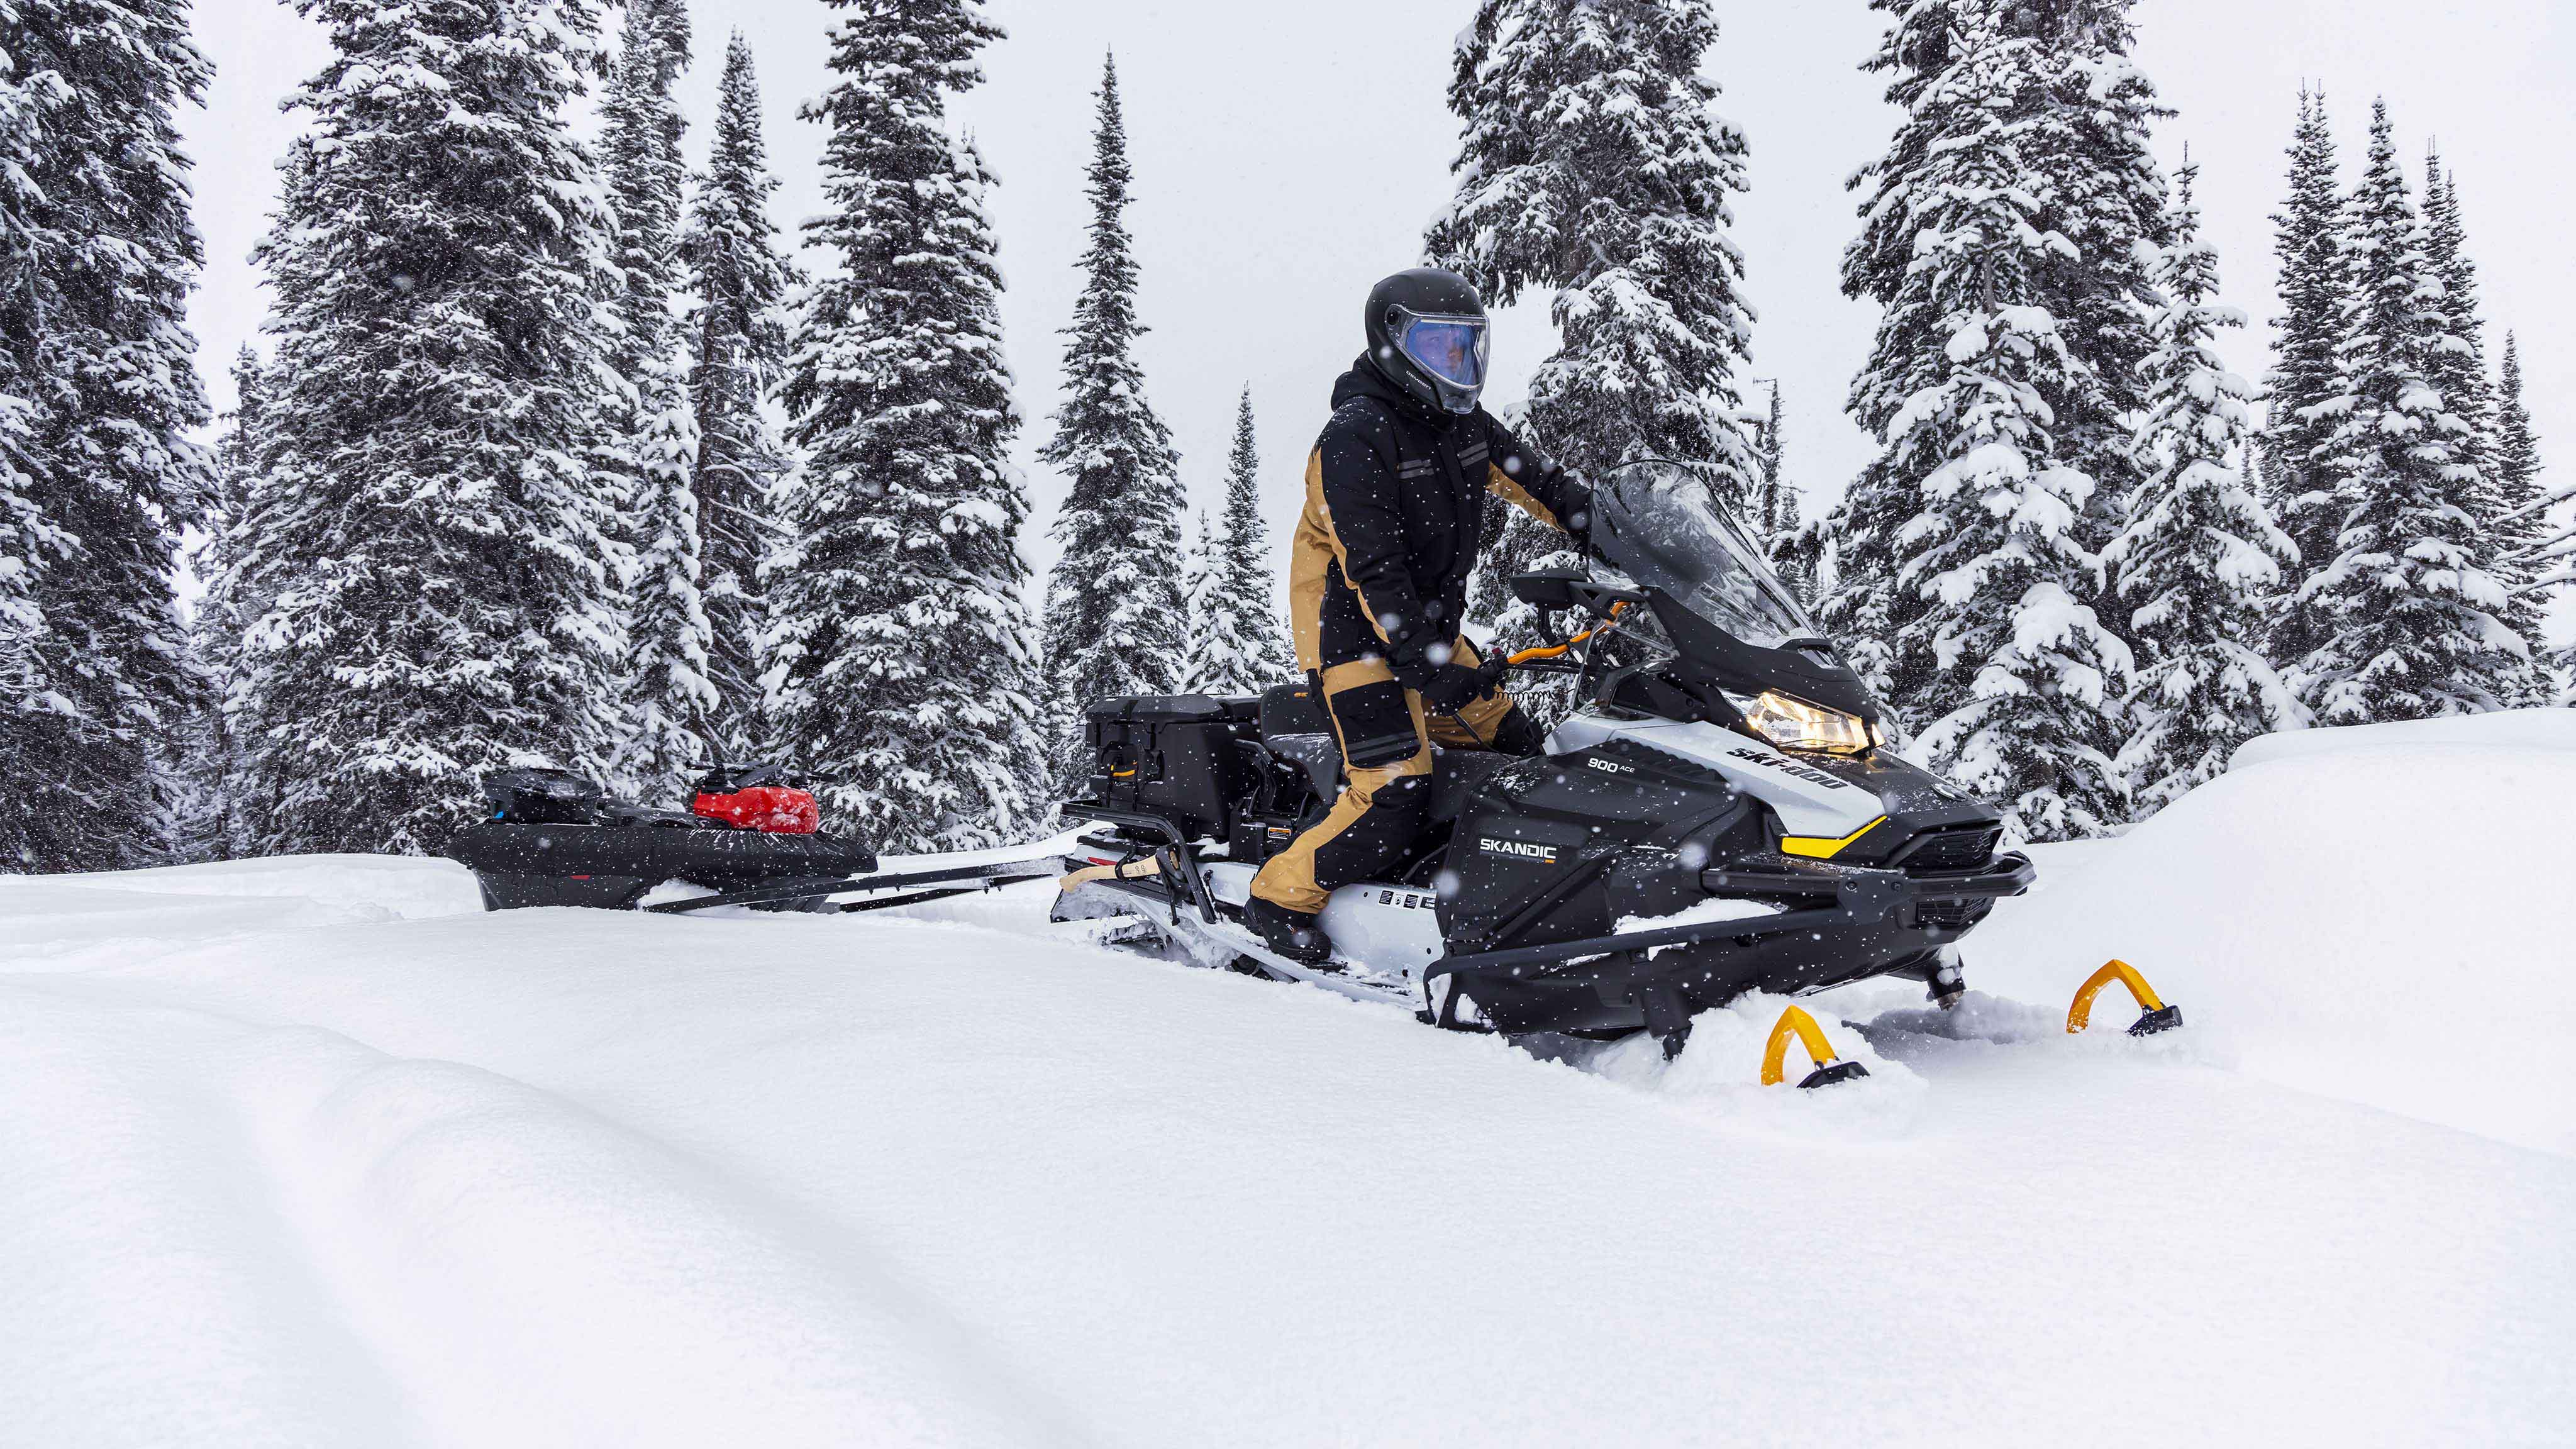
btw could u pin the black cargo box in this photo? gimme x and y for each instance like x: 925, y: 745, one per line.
x: 1175, y: 756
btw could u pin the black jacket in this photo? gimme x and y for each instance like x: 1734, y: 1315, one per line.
x: 1395, y: 506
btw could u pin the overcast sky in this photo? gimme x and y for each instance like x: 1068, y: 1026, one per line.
x: 1288, y: 154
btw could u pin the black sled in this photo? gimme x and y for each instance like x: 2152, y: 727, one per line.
x: 555, y: 839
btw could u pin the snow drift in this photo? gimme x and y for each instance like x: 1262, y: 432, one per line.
x: 2385, y: 913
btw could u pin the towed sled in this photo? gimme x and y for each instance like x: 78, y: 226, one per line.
x: 1722, y: 815
x: 748, y: 839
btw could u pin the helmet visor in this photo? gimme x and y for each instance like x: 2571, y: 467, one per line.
x: 1451, y: 349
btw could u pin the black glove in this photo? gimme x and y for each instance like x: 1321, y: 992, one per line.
x: 1577, y: 496
x: 1453, y: 687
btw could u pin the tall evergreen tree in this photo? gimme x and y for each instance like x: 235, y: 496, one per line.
x: 1115, y: 620
x: 1965, y: 532
x: 1198, y: 602
x: 2306, y: 382
x: 433, y: 540
x: 737, y: 336
x: 1239, y: 647
x: 2095, y: 189
x: 671, y: 704
x: 2532, y: 546
x: 901, y: 676
x: 1776, y: 516
x: 214, y: 823
x: 2522, y: 503
x: 2107, y: 197
x: 2413, y: 621
x: 2459, y: 371
x: 98, y: 393
x: 1592, y: 168
x: 2200, y: 555
x: 1855, y: 545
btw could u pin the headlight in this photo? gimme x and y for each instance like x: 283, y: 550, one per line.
x: 1794, y: 724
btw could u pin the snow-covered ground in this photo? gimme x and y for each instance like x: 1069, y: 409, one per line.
x: 312, y: 1152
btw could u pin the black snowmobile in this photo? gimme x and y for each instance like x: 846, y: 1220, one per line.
x: 1723, y: 814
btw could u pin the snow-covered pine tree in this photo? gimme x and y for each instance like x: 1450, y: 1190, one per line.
x: 2459, y: 372
x: 2105, y: 195
x: 1776, y: 515
x: 1591, y: 167
x: 2413, y: 620
x: 2200, y: 555
x: 670, y: 702
x: 98, y: 393
x: 2306, y: 382
x: 2098, y: 200
x: 1198, y: 601
x: 2538, y: 554
x: 900, y: 674
x: 212, y: 823
x: 737, y: 337
x: 1989, y: 639
x: 1857, y: 600
x: 1115, y: 620
x: 433, y: 540
x: 1239, y: 647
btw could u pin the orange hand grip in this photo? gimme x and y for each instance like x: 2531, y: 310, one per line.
x: 1559, y: 651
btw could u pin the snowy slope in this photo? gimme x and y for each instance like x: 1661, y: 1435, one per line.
x: 310, y: 1153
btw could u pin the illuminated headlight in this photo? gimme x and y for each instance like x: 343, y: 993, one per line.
x: 1794, y: 724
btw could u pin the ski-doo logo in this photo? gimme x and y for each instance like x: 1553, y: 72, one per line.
x: 1610, y: 767
x: 1519, y: 849
x: 1790, y: 768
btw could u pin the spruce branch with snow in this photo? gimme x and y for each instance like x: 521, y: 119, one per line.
x: 2200, y: 555
x: 1116, y: 623
x: 900, y: 674
x: 2414, y: 622
x: 737, y: 339
x: 435, y: 544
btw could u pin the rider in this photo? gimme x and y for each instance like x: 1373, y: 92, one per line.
x: 1395, y: 498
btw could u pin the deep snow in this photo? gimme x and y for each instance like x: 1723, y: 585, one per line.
x: 310, y: 1152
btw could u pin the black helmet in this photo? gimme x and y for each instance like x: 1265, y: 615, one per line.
x: 1426, y: 332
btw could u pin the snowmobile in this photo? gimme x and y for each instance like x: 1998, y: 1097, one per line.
x: 1722, y: 814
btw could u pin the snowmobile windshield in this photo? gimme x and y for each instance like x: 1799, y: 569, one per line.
x: 1451, y: 349
x: 1660, y: 525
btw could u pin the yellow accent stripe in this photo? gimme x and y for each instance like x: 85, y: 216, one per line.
x: 1815, y: 847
